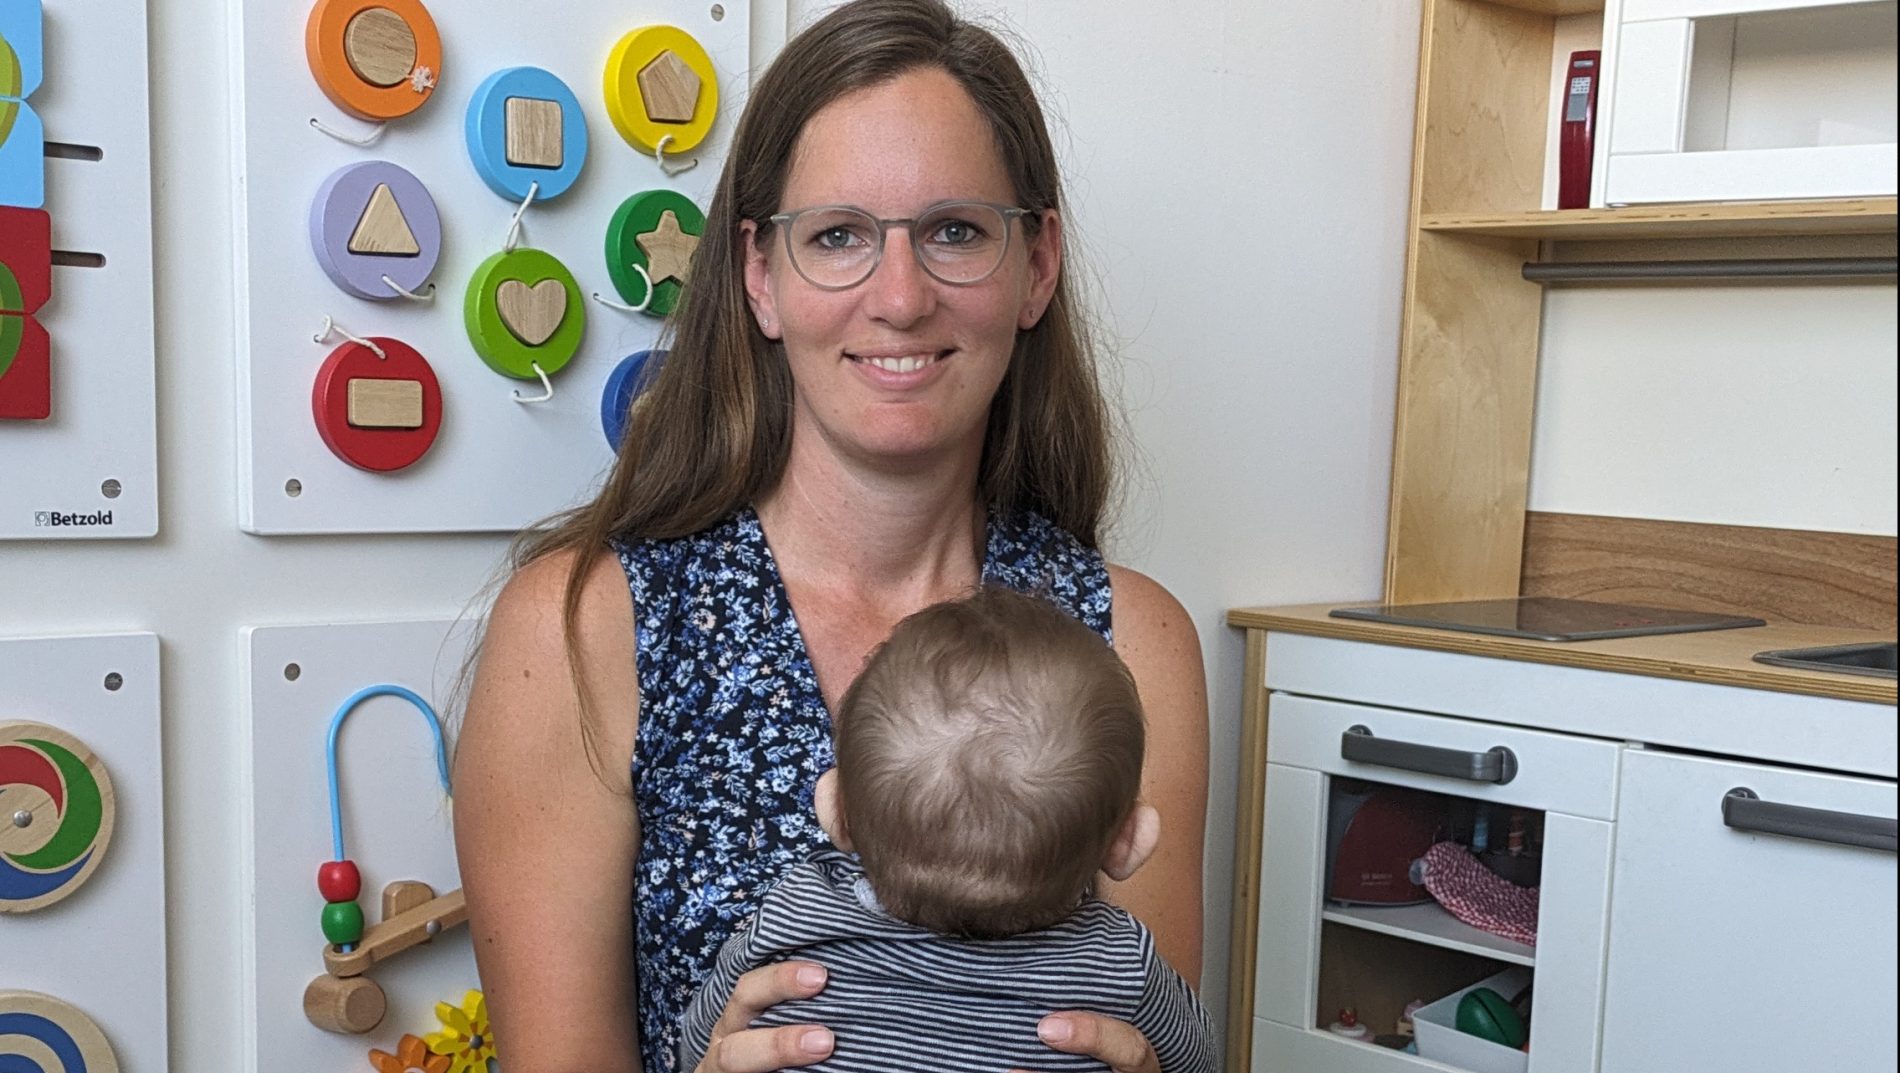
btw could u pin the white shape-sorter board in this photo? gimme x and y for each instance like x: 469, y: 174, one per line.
x: 102, y: 948
x: 396, y: 825
x: 91, y: 470
x: 497, y: 465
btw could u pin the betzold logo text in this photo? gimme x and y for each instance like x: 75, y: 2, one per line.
x: 56, y: 518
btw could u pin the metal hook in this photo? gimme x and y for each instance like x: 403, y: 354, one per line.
x: 363, y: 142
x: 514, y: 225
x: 644, y: 302
x: 547, y: 386
x: 426, y: 298
x: 330, y: 327
x: 659, y: 155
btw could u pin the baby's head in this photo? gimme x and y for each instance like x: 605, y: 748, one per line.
x: 989, y: 759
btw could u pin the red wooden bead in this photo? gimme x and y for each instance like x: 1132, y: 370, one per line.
x: 339, y: 881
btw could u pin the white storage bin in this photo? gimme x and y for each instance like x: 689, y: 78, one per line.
x: 1436, y: 1026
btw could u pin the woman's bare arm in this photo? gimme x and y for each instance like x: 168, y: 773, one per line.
x: 1156, y: 638
x: 546, y: 837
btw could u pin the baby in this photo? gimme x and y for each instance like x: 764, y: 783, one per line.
x: 988, y: 763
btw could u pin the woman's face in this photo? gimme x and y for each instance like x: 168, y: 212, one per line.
x: 899, y: 369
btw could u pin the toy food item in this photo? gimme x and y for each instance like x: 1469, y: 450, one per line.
x: 1486, y: 1014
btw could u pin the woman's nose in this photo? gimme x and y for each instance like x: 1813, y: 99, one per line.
x: 899, y: 291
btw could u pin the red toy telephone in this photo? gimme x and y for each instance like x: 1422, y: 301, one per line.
x: 1578, y: 137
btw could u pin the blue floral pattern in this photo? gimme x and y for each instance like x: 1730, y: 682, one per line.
x: 734, y: 733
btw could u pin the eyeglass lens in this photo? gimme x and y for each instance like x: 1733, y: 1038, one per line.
x: 959, y: 243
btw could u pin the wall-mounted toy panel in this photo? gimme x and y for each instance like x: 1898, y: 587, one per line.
x: 78, y: 436
x: 519, y: 216
x: 356, y: 941
x: 82, y: 856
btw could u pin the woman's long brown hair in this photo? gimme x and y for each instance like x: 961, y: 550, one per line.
x: 712, y: 429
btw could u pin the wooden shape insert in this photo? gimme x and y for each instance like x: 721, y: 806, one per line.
x: 385, y: 404
x: 534, y: 313
x: 669, y: 89
x: 383, y: 230
x: 669, y: 250
x: 534, y: 133
x: 380, y: 47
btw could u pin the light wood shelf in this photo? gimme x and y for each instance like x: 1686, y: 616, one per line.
x: 1721, y: 657
x: 1734, y: 219
x: 1430, y: 924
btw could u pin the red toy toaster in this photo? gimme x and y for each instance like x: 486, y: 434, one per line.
x: 1373, y: 834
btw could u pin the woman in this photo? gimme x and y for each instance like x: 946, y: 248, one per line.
x: 865, y: 411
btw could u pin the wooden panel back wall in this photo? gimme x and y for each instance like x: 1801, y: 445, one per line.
x: 1783, y: 575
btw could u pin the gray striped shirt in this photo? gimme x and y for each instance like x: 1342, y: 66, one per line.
x: 900, y: 998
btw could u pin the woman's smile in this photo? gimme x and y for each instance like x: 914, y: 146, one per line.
x: 899, y: 368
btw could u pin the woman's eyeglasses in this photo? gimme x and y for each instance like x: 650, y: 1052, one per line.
x: 958, y: 242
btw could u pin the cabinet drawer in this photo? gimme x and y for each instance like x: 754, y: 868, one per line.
x: 1507, y: 765
x: 1738, y: 949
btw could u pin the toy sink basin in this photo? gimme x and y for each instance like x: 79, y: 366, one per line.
x: 1874, y: 659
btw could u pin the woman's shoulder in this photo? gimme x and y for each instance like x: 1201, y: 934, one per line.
x: 531, y: 602
x: 533, y: 658
x: 1144, y: 600
x: 1152, y: 628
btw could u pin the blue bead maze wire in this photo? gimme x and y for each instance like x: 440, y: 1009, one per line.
x: 336, y: 725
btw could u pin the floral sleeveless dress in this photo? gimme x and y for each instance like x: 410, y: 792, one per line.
x: 734, y: 733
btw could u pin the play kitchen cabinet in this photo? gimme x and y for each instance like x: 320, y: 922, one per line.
x: 1749, y: 99
x: 1776, y: 885
x: 1716, y: 869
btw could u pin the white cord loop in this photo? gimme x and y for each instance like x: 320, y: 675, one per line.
x: 363, y: 142
x: 547, y: 387
x: 426, y: 298
x: 659, y: 155
x: 644, y: 302
x: 514, y: 225
x: 330, y: 328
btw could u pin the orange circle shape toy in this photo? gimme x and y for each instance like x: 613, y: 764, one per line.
x: 375, y: 59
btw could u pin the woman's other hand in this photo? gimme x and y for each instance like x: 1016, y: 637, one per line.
x: 737, y: 1048
x: 1118, y: 1044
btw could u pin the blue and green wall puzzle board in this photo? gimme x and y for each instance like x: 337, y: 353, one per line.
x: 22, y: 137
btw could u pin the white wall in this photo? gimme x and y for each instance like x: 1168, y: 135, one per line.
x: 1771, y: 406
x: 1245, y: 212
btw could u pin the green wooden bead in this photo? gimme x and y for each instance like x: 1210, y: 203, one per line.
x: 342, y: 922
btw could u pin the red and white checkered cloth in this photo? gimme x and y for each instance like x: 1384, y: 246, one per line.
x: 1478, y: 896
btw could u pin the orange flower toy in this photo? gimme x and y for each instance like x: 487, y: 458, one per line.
x: 412, y: 1056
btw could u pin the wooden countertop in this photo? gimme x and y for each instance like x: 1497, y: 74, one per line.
x: 1723, y: 657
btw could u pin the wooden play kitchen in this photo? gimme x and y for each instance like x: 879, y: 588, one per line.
x: 1696, y: 814
x: 1647, y: 763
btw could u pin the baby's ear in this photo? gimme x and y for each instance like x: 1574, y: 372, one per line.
x: 829, y: 804
x: 1133, y: 844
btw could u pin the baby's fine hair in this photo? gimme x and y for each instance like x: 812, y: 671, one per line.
x: 987, y: 757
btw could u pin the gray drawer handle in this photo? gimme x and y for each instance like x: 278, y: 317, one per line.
x: 1744, y: 811
x: 1496, y: 764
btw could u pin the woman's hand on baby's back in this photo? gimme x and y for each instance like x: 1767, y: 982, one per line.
x: 1118, y: 1044
x: 737, y: 1048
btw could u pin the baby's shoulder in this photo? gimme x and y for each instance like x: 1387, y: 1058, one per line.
x: 1105, y: 925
